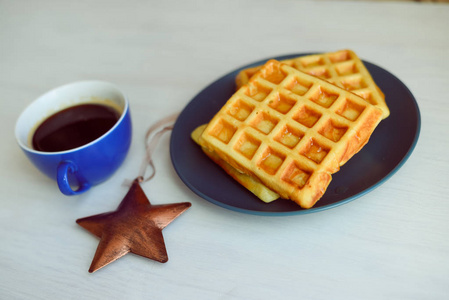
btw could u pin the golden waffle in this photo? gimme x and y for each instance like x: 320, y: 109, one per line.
x: 291, y: 131
x: 251, y: 183
x: 342, y: 68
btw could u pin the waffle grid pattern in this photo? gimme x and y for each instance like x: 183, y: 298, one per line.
x: 342, y: 68
x: 291, y: 130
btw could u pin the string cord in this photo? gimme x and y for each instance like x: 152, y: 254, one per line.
x: 152, y: 137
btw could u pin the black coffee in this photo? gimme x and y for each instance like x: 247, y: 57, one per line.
x: 74, y: 127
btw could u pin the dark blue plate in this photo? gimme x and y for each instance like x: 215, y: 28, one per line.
x: 389, y: 147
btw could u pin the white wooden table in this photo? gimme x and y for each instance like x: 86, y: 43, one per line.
x: 392, y: 243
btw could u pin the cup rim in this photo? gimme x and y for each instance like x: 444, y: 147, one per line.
x: 119, y: 121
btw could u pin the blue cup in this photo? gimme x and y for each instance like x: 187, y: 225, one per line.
x: 76, y: 170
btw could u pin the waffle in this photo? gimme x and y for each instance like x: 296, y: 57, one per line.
x: 291, y: 131
x: 342, y: 68
x: 251, y: 183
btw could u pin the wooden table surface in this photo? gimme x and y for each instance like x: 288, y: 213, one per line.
x: 392, y: 243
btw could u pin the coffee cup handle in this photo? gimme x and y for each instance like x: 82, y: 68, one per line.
x: 64, y: 169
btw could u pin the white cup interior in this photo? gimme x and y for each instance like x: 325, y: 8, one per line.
x: 64, y: 97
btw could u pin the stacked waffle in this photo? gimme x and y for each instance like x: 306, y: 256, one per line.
x: 342, y: 68
x: 285, y: 132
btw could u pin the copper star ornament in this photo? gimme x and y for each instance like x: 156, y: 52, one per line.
x: 136, y: 227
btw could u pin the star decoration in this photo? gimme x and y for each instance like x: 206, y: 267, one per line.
x: 136, y: 227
